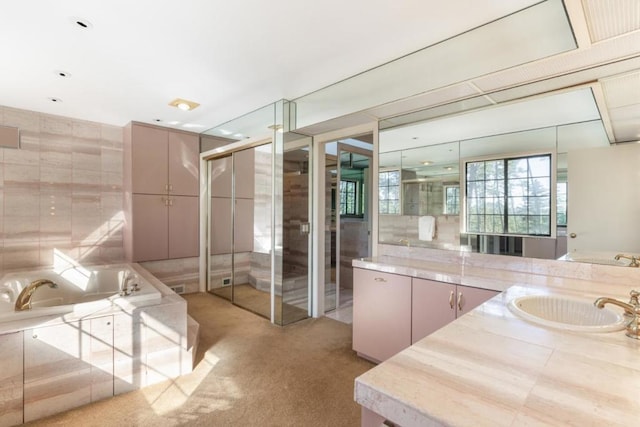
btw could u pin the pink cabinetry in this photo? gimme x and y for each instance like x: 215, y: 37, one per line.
x: 162, y: 188
x: 435, y: 304
x: 381, y: 313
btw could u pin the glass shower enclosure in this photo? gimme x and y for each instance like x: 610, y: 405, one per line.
x: 258, y: 217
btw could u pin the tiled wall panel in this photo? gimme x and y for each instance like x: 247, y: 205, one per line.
x: 60, y: 192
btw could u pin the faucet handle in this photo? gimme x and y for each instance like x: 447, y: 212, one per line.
x: 634, y: 298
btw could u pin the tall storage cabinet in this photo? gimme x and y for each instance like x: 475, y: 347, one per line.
x: 162, y: 178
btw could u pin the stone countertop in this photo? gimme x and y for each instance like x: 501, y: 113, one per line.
x: 492, y: 368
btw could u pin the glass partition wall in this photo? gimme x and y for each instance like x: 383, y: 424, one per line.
x: 258, y: 217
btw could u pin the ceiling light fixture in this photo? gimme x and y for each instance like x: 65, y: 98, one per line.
x: 55, y: 99
x: 427, y: 163
x: 63, y: 74
x: 183, y: 104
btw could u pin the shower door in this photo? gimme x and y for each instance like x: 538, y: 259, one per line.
x: 240, y: 228
x: 293, y: 300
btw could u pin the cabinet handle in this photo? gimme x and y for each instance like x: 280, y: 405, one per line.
x: 451, y: 300
x: 165, y: 201
x: 170, y: 202
x: 170, y: 187
x: 380, y: 279
x: 166, y: 187
x: 460, y: 301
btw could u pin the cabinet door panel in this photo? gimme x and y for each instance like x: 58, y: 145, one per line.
x: 183, y: 227
x: 472, y: 297
x: 243, y: 226
x: 432, y: 306
x: 149, y: 152
x: 221, y: 231
x: 11, y: 391
x: 57, y: 370
x: 381, y: 313
x: 244, y: 168
x: 221, y: 177
x: 150, y: 227
x: 99, y: 332
x: 184, y: 164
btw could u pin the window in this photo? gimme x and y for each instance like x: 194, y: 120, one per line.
x: 451, y: 199
x: 509, y: 196
x: 561, y: 204
x: 348, y: 198
x: 389, y: 192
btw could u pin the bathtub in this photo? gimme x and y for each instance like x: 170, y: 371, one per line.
x: 81, y: 290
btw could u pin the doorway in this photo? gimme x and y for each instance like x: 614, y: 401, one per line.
x: 348, y: 226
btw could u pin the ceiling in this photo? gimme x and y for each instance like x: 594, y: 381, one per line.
x: 235, y: 57
x: 231, y: 57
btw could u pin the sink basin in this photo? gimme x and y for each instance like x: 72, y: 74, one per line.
x: 566, y: 313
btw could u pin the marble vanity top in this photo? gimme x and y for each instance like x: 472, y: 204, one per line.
x: 492, y: 368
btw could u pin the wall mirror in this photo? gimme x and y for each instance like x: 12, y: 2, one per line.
x: 422, y: 185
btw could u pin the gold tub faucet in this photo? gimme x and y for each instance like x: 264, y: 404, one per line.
x: 23, y: 302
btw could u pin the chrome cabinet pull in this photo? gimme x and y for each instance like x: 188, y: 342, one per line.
x: 460, y: 301
x: 380, y: 279
x: 451, y: 300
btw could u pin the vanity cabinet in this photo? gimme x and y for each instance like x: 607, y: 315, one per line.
x: 11, y: 388
x: 381, y: 313
x: 67, y: 365
x: 392, y: 312
x: 162, y: 187
x: 435, y: 304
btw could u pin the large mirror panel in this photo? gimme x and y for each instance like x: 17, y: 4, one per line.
x: 423, y: 191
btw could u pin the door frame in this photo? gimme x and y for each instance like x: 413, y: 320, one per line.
x: 318, y: 240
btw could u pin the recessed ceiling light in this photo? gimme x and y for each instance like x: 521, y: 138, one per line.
x: 81, y: 23
x: 63, y: 74
x: 183, y: 104
x: 55, y: 99
x: 427, y: 162
x: 448, y: 168
x: 157, y: 120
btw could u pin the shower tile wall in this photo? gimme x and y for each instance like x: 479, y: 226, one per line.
x: 61, y: 192
x: 394, y: 227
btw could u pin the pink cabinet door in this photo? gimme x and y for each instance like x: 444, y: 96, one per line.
x: 433, y: 306
x: 183, y: 227
x: 381, y: 313
x: 220, y: 226
x: 221, y: 177
x: 150, y: 219
x: 469, y: 298
x: 184, y: 164
x: 149, y: 159
x: 243, y: 226
x: 244, y: 173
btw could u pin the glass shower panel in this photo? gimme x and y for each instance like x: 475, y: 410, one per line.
x: 252, y: 229
x: 295, y: 289
x: 220, y: 268
x: 353, y: 209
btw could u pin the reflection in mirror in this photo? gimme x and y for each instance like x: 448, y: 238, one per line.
x: 576, y: 133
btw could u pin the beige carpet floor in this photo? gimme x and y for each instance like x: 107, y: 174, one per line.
x: 249, y: 298
x: 248, y: 373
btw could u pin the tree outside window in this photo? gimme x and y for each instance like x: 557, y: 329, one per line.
x: 389, y: 192
x: 349, y: 198
x: 509, y: 196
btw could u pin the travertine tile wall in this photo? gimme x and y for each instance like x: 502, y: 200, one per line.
x: 61, y: 191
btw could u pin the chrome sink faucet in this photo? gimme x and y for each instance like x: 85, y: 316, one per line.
x: 631, y: 312
x: 634, y: 259
x: 23, y: 302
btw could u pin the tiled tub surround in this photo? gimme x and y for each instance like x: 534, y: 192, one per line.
x: 60, y: 361
x: 492, y: 368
